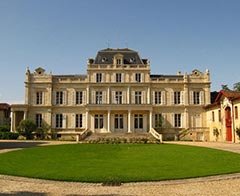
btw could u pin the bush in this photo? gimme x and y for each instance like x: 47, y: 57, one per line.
x: 8, y: 135
x: 4, y: 129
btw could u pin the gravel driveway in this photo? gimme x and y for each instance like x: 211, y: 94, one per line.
x: 215, y: 185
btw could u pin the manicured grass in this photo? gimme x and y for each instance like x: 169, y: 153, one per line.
x: 120, y: 163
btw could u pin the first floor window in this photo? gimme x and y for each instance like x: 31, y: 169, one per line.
x: 158, y: 120
x: 213, y: 116
x: 219, y: 115
x: 98, y: 77
x: 99, y: 97
x: 79, y: 97
x: 236, y: 112
x: 196, y: 97
x: 59, y: 120
x: 138, y: 77
x: 138, y: 97
x: 138, y: 121
x: 98, y: 121
x: 158, y: 97
x: 59, y: 97
x: 177, y: 96
x: 118, y: 97
x: 177, y: 120
x: 118, y: 77
x: 118, y: 121
x: 39, y: 97
x: 39, y: 120
x: 79, y: 121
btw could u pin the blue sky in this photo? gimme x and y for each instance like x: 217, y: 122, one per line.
x: 60, y: 35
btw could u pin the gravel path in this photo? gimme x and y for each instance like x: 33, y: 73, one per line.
x: 215, y: 185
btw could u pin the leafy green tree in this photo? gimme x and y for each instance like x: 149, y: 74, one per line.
x: 236, y: 86
x: 26, y: 127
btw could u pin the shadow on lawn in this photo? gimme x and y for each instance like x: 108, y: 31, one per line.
x: 12, y: 145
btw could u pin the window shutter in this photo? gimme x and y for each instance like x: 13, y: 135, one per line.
x: 113, y: 97
x: 133, y: 97
x: 143, y: 98
x: 124, y: 97
x: 164, y: 119
x: 65, y: 98
x: 191, y: 97
x: 93, y: 101
x: 53, y: 120
x: 104, y: 101
x: 153, y: 97
x: 163, y: 97
x: 173, y: 120
x: 122, y: 77
x: 83, y: 120
x: 84, y: 97
x: 172, y: 98
x: 183, y: 121
x: 74, y: 97
x: 73, y: 122
x: 64, y: 123
x: 54, y: 98
x: 142, y: 77
x: 182, y: 97
x: 201, y: 97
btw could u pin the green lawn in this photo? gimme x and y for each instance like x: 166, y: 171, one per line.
x: 120, y: 163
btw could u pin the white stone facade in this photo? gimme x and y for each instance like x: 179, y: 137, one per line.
x: 118, y: 94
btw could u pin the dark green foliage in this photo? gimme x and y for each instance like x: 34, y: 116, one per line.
x: 26, y: 127
x: 4, y: 128
x: 118, y: 162
x: 8, y: 136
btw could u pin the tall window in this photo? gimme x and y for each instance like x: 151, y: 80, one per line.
x: 39, y: 97
x: 177, y: 120
x: 99, y: 77
x: 177, y: 97
x: 213, y: 116
x: 196, y: 97
x: 118, y: 77
x: 158, y: 120
x: 118, y: 121
x: 138, y: 97
x: 79, y: 121
x: 236, y: 112
x: 39, y: 120
x: 219, y: 115
x: 138, y: 77
x: 118, y: 61
x: 118, y: 97
x: 98, y: 124
x: 79, y: 97
x: 99, y: 97
x: 138, y: 121
x: 158, y: 97
x: 59, y: 97
x: 59, y: 120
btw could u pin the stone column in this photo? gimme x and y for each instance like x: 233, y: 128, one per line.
x: 87, y: 95
x: 128, y: 95
x: 86, y: 122
x: 12, y: 121
x: 24, y: 115
x: 148, y: 96
x: 150, y: 120
x: 108, y: 95
x: 129, y: 121
x: 109, y: 121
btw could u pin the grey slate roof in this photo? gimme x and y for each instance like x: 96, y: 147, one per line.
x: 129, y: 56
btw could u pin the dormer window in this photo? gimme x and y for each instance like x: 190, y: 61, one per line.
x: 119, y: 62
x: 132, y: 60
x: 39, y: 71
x: 104, y: 59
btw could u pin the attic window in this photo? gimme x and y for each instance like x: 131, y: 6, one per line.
x: 39, y: 72
x: 118, y: 61
x: 104, y: 59
x: 132, y: 60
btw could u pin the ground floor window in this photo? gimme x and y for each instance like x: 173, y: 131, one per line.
x: 79, y: 121
x: 98, y: 118
x: 177, y: 120
x: 138, y: 121
x: 39, y: 120
x: 158, y: 120
x: 59, y: 120
x: 118, y: 121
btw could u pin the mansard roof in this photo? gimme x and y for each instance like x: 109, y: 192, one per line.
x: 106, y: 56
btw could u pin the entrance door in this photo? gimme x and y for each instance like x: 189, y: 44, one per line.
x: 228, y: 123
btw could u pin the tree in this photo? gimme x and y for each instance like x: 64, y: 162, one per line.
x: 26, y: 127
x: 42, y: 132
x: 236, y: 86
x: 225, y: 87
